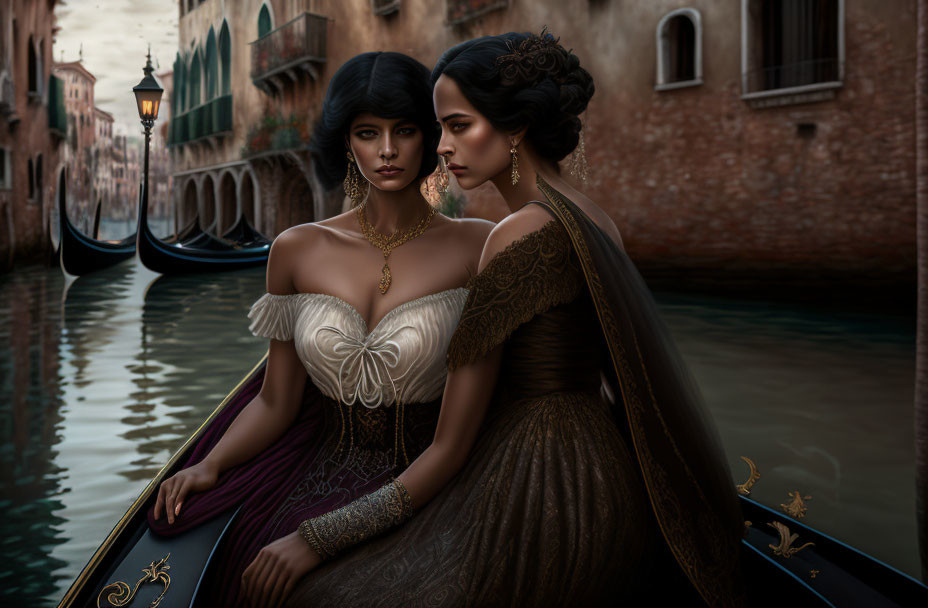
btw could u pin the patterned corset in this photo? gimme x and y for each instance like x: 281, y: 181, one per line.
x: 401, y: 360
x: 556, y: 351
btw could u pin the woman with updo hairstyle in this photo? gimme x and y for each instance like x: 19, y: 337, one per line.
x: 359, y: 311
x: 574, y: 462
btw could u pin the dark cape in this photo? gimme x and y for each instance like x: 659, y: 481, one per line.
x: 675, y: 441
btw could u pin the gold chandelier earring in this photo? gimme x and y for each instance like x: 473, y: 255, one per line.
x: 577, y: 163
x: 352, y: 183
x: 444, y: 178
x: 515, y: 163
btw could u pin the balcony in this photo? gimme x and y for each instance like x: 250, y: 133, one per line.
x: 285, y: 55
x: 208, y: 121
x: 57, y: 116
x: 460, y: 11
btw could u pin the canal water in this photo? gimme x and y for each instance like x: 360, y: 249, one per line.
x: 103, y: 378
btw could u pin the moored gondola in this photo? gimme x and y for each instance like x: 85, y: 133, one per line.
x: 779, y: 569
x: 80, y: 254
x: 244, y: 234
x: 205, y: 253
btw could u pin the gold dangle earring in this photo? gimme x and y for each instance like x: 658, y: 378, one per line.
x: 515, y: 163
x: 444, y: 179
x: 352, y: 183
x: 577, y: 163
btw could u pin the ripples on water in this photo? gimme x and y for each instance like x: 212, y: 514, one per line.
x: 103, y: 380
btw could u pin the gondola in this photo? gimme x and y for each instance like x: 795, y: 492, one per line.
x: 203, y: 254
x: 244, y: 234
x: 189, y: 231
x: 192, y: 235
x: 779, y: 570
x: 80, y: 254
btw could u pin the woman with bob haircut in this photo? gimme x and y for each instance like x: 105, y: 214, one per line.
x: 363, y: 305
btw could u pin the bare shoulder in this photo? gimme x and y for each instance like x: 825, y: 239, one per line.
x: 513, y: 227
x: 290, y: 246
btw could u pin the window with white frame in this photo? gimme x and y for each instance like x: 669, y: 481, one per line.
x: 791, y: 46
x: 679, y: 49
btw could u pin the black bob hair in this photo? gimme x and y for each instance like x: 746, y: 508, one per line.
x: 386, y: 84
x: 548, y: 108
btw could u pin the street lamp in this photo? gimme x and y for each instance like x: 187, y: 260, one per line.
x: 148, y: 97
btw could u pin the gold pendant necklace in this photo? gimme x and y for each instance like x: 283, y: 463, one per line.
x: 387, y: 242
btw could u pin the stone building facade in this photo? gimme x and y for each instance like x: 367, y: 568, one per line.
x: 32, y: 126
x: 103, y: 158
x: 743, y: 136
x: 78, y: 153
x: 126, y: 175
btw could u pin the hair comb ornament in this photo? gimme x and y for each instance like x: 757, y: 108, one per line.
x: 534, y: 58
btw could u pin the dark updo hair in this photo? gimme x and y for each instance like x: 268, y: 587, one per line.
x: 523, y: 80
x: 386, y: 84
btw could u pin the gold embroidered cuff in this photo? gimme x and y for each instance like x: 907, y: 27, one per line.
x: 367, y: 516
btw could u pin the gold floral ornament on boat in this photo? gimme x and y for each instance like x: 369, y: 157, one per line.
x: 745, y: 488
x: 118, y: 594
x: 785, y: 547
x: 796, y: 508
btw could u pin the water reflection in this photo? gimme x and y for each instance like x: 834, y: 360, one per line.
x: 105, y: 377
x: 31, y: 481
x: 822, y: 401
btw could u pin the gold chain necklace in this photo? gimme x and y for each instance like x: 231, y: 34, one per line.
x: 387, y: 242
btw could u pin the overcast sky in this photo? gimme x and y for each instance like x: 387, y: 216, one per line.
x: 116, y: 35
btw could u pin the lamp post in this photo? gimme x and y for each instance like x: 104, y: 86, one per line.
x: 148, y: 97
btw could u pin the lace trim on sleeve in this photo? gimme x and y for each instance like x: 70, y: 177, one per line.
x: 529, y: 276
x: 272, y: 316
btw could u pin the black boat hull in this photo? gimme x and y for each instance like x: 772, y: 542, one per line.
x: 79, y: 254
x: 206, y: 255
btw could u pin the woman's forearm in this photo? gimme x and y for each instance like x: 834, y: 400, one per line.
x: 255, y: 428
x: 468, y: 391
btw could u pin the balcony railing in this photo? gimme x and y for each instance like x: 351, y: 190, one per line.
x: 460, y: 11
x: 207, y: 120
x: 282, y: 54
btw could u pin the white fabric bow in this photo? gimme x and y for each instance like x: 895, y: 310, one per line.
x: 365, y: 364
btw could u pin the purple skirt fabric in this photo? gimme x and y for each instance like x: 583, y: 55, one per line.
x: 312, y: 468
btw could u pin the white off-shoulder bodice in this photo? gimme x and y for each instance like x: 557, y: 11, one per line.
x: 402, y: 359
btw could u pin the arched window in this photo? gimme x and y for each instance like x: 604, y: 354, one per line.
x: 225, y: 58
x: 679, y: 49
x: 211, y: 67
x: 38, y: 175
x: 180, y: 83
x: 264, y: 21
x: 178, y: 79
x: 31, y: 177
x: 194, y: 80
x: 33, y: 64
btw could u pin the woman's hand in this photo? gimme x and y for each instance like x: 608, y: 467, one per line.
x: 270, y: 578
x: 198, y: 478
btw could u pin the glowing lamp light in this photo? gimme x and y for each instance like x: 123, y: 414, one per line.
x: 148, y: 94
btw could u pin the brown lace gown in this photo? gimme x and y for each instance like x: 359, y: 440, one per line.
x: 550, y: 508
